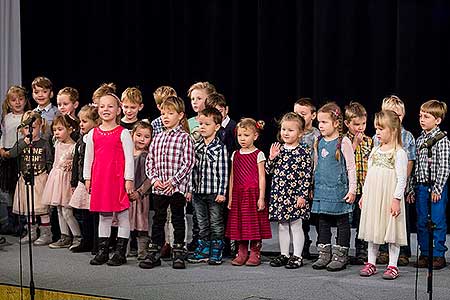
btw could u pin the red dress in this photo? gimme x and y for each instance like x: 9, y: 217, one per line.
x: 107, y: 180
x: 245, y: 222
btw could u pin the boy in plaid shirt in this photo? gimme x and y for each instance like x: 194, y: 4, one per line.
x: 431, y: 115
x: 169, y: 165
x: 356, y: 121
x: 209, y: 184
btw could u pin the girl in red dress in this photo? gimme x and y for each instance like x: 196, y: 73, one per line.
x: 109, y: 174
x: 248, y: 217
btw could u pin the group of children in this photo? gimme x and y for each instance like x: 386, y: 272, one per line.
x: 111, y: 168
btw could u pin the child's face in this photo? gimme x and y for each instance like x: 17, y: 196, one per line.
x: 42, y: 96
x: 171, y: 118
x: 208, y: 127
x: 65, y: 105
x: 131, y: 110
x: 61, y: 133
x: 198, y: 99
x: 290, y: 132
x: 108, y: 108
x: 427, y: 121
x: 223, y: 111
x: 246, y: 137
x: 384, y: 134
x: 17, y: 104
x: 306, y: 113
x: 327, y: 125
x: 142, y: 138
x: 86, y: 124
x: 36, y: 133
x: 356, y: 125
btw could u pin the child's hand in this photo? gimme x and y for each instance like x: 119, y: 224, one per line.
x: 167, y: 187
x: 220, y: 199
x: 300, y: 202
x: 358, y: 138
x: 274, y: 150
x: 360, y: 203
x: 350, y: 198
x: 2, y: 152
x: 129, y: 186
x: 410, y: 198
x: 87, y: 184
x: 229, y: 201
x: 134, y: 196
x: 261, y: 204
x: 189, y: 197
x: 395, y: 207
x: 158, y: 185
x: 26, y: 140
x: 435, y: 197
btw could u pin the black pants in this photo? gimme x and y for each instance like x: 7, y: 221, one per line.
x: 86, y: 220
x: 343, y: 229
x: 177, y: 203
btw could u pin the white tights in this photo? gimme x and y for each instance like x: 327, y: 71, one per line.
x: 298, y: 237
x: 123, y: 220
x: 372, y: 251
x: 67, y: 221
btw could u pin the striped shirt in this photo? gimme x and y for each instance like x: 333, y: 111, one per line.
x: 440, y: 167
x: 210, y: 174
x: 157, y: 126
x: 171, y: 158
x: 362, y: 153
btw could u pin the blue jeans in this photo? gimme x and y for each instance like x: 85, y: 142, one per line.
x: 438, y: 218
x: 209, y: 216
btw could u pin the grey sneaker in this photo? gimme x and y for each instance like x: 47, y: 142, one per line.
x: 63, y: 242
x: 46, y: 236
x: 75, y: 242
x: 34, y: 237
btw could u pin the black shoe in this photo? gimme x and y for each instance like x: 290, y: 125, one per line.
x: 358, y: 260
x: 178, y: 257
x: 102, y: 255
x: 279, y: 261
x: 305, y: 253
x: 294, y: 262
x: 119, y: 258
x: 152, y: 259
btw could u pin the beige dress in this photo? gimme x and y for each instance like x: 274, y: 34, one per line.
x: 385, y: 180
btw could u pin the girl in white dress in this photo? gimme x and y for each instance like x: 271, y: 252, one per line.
x: 382, y: 203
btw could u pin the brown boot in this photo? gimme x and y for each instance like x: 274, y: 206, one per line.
x: 439, y: 262
x: 242, y: 255
x: 255, y: 254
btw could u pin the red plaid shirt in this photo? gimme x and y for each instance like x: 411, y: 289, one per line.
x: 171, y: 158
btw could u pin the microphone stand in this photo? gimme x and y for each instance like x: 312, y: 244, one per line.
x: 29, y: 183
x: 430, y: 226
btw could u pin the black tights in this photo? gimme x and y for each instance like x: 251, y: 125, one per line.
x: 343, y: 229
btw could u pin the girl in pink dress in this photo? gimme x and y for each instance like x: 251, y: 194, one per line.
x: 109, y: 174
x: 248, y: 219
x: 57, y: 191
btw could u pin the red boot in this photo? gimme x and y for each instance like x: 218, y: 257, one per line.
x: 255, y: 254
x: 242, y: 256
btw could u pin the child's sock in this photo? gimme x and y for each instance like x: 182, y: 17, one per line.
x: 298, y: 237
x: 284, y: 238
x: 372, y: 252
x: 394, y: 251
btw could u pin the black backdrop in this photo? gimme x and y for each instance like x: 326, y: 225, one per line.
x: 262, y: 55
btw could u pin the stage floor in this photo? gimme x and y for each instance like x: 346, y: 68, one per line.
x: 65, y: 271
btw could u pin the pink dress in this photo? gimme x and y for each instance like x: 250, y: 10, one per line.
x: 107, y: 176
x: 57, y: 191
x: 245, y: 222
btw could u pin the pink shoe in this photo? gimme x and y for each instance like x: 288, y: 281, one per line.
x: 368, y: 270
x: 390, y: 273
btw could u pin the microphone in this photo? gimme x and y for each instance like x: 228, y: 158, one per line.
x: 431, y: 142
x: 30, y: 120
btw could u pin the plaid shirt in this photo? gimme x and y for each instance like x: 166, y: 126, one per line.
x: 210, y: 174
x: 362, y: 153
x: 157, y: 126
x: 409, y: 144
x: 171, y: 158
x: 440, y: 167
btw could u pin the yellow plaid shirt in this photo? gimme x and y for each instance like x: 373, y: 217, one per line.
x: 362, y: 153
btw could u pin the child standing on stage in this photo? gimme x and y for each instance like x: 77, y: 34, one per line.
x: 160, y: 94
x: 355, y: 121
x: 334, y: 188
x: 131, y: 102
x: 432, y: 113
x: 291, y: 169
x: 209, y: 184
x: 13, y: 108
x: 80, y: 199
x: 57, y: 191
x: 248, y: 217
x: 382, y: 202
x: 305, y: 108
x: 41, y: 163
x: 43, y: 93
x: 109, y: 150
x: 67, y: 101
x: 169, y: 166
x: 102, y: 90
x: 139, y: 208
x: 198, y: 93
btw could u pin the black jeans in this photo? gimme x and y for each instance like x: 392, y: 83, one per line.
x: 209, y: 216
x: 177, y: 203
x: 343, y: 229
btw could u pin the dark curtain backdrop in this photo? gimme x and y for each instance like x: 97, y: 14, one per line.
x: 262, y: 55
